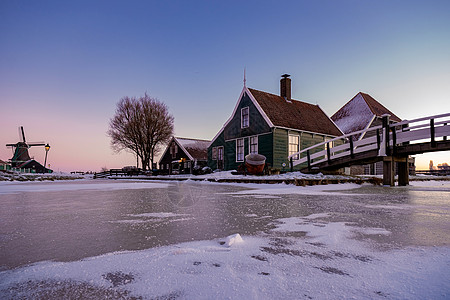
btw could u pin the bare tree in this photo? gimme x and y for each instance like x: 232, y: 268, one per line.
x: 141, y: 126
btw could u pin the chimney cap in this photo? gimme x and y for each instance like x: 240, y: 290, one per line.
x: 285, y: 75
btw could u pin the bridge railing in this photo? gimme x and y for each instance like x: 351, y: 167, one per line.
x: 431, y: 129
x: 381, y: 138
x: 352, y: 144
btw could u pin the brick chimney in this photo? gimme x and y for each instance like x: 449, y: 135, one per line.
x: 285, y: 87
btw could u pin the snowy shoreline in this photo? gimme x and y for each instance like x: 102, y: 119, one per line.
x: 296, y: 178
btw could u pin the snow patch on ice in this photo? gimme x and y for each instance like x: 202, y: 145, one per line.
x: 388, y: 207
x: 159, y: 215
x: 284, y: 189
x: 373, y: 231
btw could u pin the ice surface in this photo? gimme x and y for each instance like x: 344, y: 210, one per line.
x: 326, y: 264
x: 16, y: 187
x: 301, y: 257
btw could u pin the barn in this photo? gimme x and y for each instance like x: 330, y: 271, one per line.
x: 184, y: 156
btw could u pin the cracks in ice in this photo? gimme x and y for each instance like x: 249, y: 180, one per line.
x: 66, y: 289
x: 118, y: 278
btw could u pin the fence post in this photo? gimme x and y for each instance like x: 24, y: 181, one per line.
x: 378, y: 139
x: 292, y: 164
x: 328, y: 153
x: 385, y: 121
x: 432, y: 132
x: 352, y: 155
x: 445, y: 137
x: 308, y: 156
x: 394, y: 140
x: 405, y: 128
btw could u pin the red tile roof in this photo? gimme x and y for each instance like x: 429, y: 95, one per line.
x: 295, y: 114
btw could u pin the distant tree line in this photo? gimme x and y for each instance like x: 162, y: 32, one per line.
x: 141, y: 126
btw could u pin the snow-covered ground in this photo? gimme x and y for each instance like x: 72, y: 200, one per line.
x: 325, y: 264
x: 300, y: 257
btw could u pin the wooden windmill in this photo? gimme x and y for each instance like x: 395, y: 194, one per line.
x: 21, y: 154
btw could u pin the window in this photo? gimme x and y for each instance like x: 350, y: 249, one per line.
x: 214, y: 153
x: 240, y: 150
x: 219, y: 153
x: 293, y: 145
x: 254, y: 144
x: 174, y: 150
x: 244, y: 117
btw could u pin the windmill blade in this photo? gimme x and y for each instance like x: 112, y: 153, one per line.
x: 11, y: 145
x: 36, y: 144
x: 23, y: 134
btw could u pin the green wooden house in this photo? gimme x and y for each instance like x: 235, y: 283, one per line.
x: 275, y: 126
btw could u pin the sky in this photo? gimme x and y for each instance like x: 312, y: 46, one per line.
x: 66, y: 64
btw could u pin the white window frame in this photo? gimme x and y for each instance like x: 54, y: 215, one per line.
x: 220, y: 154
x: 239, y: 146
x: 251, y: 142
x: 214, y: 153
x: 290, y: 150
x: 245, y: 122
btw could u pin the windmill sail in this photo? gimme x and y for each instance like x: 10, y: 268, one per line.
x: 21, y: 154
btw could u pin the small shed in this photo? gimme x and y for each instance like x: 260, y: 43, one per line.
x: 32, y: 166
x: 184, y: 156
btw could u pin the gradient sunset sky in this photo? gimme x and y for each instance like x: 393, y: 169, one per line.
x: 65, y: 64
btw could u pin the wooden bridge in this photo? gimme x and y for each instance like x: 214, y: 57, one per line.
x: 390, y: 143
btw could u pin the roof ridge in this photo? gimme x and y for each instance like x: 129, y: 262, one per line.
x: 191, y: 139
x: 282, y: 97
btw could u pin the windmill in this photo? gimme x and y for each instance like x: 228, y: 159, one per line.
x: 21, y: 154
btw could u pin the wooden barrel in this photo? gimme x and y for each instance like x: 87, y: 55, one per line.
x: 255, y: 163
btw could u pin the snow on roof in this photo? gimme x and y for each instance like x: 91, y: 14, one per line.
x: 198, y: 149
x: 353, y: 116
x: 193, y: 143
x: 359, y: 112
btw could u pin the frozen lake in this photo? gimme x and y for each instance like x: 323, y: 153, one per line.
x: 113, y: 238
